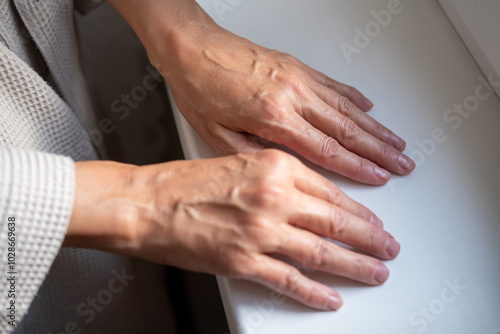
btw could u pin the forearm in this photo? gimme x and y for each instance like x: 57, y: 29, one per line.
x: 105, y: 211
x: 167, y: 28
x: 109, y: 209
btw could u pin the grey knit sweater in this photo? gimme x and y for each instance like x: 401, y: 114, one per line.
x: 49, y: 289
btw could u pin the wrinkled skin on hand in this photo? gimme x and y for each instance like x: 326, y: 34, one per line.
x: 228, y: 216
x: 229, y: 88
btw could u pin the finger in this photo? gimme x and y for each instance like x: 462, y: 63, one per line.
x: 317, y: 147
x: 290, y: 282
x: 364, y: 121
x: 331, y: 221
x: 355, y: 139
x: 320, y: 254
x: 231, y: 142
x: 312, y: 183
x: 350, y: 92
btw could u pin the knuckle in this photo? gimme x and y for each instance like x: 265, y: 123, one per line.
x: 268, y: 194
x: 309, y: 297
x: 290, y: 281
x: 335, y: 195
x: 276, y: 162
x: 385, y: 151
x: 272, y: 109
x: 329, y: 149
x: 276, y: 157
x: 329, y: 82
x: 349, y: 130
x: 379, y: 128
x: 359, y: 167
x: 346, y: 106
x: 289, y: 58
x: 363, y: 267
x: 368, y: 269
x: 338, y: 223
x: 319, y: 255
x: 293, y: 81
x: 373, y: 240
x: 363, y: 212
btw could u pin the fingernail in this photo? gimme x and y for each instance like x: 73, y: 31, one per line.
x: 392, y: 247
x: 376, y: 221
x: 367, y: 103
x: 382, y: 173
x: 406, y: 163
x: 398, y: 143
x: 381, y: 273
x: 334, y: 303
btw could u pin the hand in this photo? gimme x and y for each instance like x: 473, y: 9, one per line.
x: 233, y: 88
x: 230, y: 89
x: 228, y: 216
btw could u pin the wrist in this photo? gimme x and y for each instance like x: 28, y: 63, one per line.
x: 105, y: 213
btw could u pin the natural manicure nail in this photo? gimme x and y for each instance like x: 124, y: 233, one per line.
x: 334, y: 303
x: 406, y: 163
x: 397, y: 142
x: 381, y: 273
x: 382, y: 173
x: 367, y: 103
x: 392, y: 247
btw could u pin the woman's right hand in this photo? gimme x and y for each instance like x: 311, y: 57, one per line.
x: 228, y: 216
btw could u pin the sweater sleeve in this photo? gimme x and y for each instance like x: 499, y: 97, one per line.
x: 36, y: 201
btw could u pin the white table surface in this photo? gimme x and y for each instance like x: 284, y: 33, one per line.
x: 478, y: 24
x: 446, y: 214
